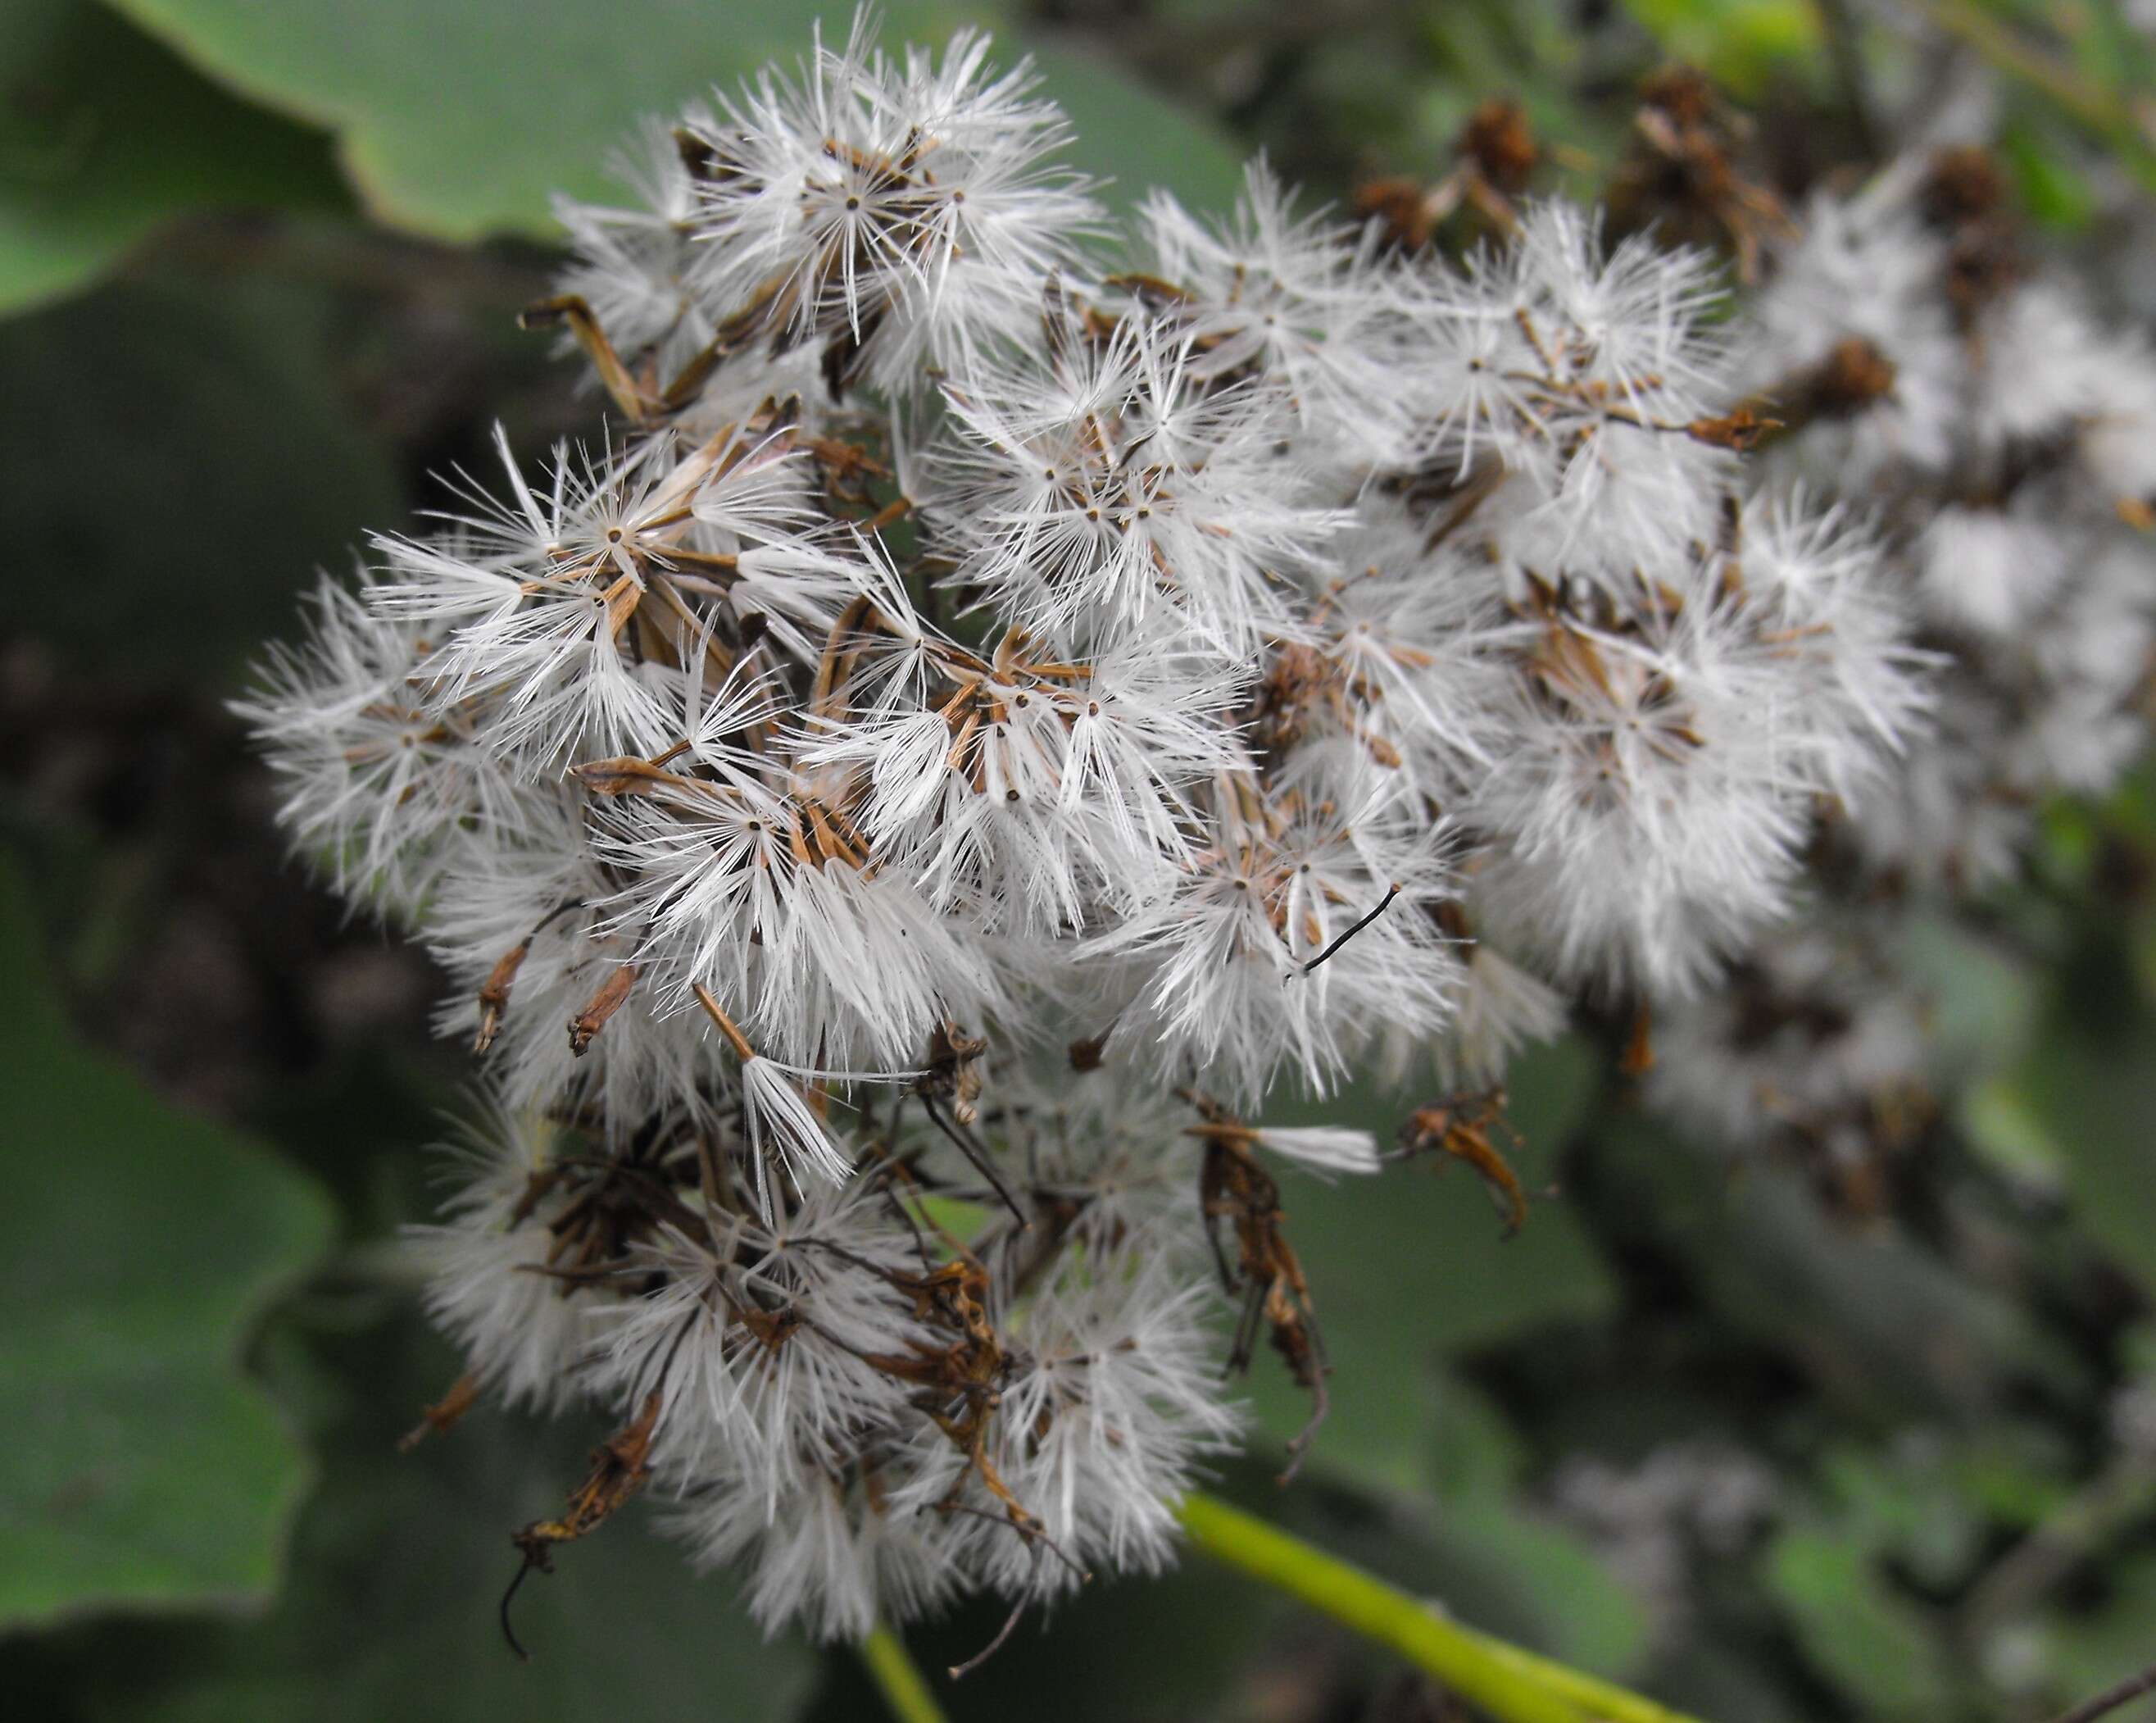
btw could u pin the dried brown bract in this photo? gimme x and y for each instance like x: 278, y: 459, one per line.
x: 619, y: 1466
x: 1683, y: 176
x: 1266, y: 1273
x: 1496, y: 156
x: 1461, y: 1126
x: 954, y: 1070
x: 1965, y: 197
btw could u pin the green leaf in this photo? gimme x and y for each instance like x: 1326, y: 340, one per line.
x: 142, y: 1470
x: 1530, y: 1576
x: 2053, y: 187
x: 1910, y: 1503
x: 1137, y: 138
x: 178, y: 466
x: 105, y: 136
x: 1741, y: 44
x: 399, y: 1562
x: 1127, y: 1648
x: 2093, y: 1087
x: 2089, y: 1651
x: 1884, y: 1327
x: 1998, y: 1123
x: 1874, y: 1645
x: 1983, y: 1000
x: 1482, y: 1556
x: 462, y: 120
x: 1411, y: 1266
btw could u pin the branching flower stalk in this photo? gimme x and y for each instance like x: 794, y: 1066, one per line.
x: 1004, y: 695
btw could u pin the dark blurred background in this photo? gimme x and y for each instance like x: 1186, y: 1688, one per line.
x: 1699, y: 1427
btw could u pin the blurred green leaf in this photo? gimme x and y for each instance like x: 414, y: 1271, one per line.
x: 179, y: 465
x: 2052, y: 185
x: 464, y: 120
x: 141, y: 1470
x: 1478, y: 1552
x: 105, y: 136
x: 2091, y: 1081
x: 1128, y: 1648
x: 1543, y: 1582
x: 2015, y: 1474
x: 399, y: 1561
x: 2094, y: 1648
x: 1875, y: 1646
x: 1983, y: 999
x: 1705, y: 1678
x: 1741, y: 43
x: 1887, y: 1328
x: 1411, y: 1266
x: 2000, y: 1124
x: 1136, y: 137
x: 1913, y: 1504
x: 1534, y: 51
x: 1507, y: 1564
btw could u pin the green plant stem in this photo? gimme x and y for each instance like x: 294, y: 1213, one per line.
x: 899, y: 1679
x: 1514, y: 1686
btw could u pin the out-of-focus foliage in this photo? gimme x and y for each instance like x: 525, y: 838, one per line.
x: 105, y: 136
x: 2090, y: 1082
x: 1740, y: 44
x: 1379, y: 1247
x: 138, y: 1245
x: 1416, y: 1271
x: 1695, y: 1426
x: 510, y: 101
x: 398, y: 1563
x: 186, y: 444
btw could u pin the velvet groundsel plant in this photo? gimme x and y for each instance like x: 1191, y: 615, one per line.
x: 1005, y: 693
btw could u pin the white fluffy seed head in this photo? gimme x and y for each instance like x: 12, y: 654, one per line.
x: 977, y: 722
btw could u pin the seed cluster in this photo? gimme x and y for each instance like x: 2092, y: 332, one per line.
x: 1004, y: 695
